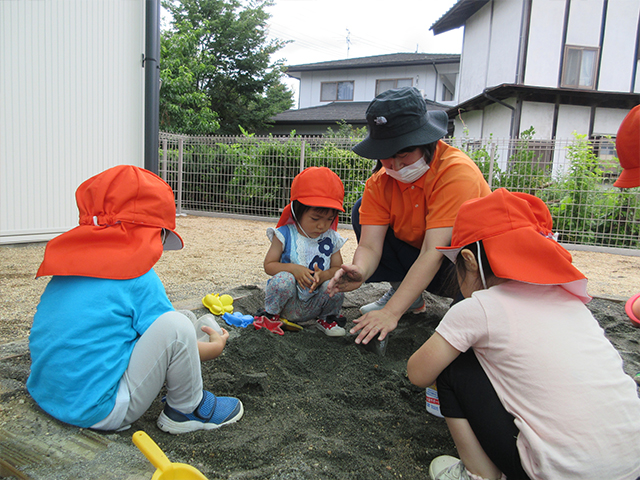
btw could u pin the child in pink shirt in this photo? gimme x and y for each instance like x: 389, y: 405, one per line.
x: 528, y: 384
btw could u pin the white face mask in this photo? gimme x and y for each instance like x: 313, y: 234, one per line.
x: 410, y: 173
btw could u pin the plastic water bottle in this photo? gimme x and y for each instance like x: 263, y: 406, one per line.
x: 433, y: 402
x: 210, y: 321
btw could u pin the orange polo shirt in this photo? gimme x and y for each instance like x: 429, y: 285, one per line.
x: 432, y: 201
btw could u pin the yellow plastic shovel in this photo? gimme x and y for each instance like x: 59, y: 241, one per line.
x: 165, y: 469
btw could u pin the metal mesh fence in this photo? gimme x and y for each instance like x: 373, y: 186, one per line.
x: 252, y: 176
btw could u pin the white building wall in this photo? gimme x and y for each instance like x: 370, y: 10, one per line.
x: 585, y: 20
x: 539, y: 116
x: 424, y: 78
x: 71, y: 105
x: 608, y: 120
x: 616, y: 67
x: 544, y: 49
x: 505, y: 35
x: 497, y: 120
x: 469, y: 124
x: 571, y: 119
x: 475, y: 57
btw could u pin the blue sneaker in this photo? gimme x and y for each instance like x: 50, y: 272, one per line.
x: 213, y: 412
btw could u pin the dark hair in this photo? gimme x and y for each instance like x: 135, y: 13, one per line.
x: 486, y: 266
x: 427, y: 150
x: 299, y: 209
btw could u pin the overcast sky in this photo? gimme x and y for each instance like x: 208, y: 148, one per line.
x: 324, y: 30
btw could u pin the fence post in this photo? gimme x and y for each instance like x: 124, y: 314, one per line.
x: 180, y: 159
x: 491, y: 162
x: 302, y: 155
x: 163, y: 170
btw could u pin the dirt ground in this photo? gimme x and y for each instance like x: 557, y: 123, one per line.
x: 315, y: 407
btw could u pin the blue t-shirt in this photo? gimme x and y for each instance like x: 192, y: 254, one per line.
x: 83, y: 333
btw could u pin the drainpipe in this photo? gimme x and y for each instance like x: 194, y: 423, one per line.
x: 151, y: 65
x: 435, y: 90
x: 514, y: 130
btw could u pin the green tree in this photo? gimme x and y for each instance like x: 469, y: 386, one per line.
x: 184, y: 107
x: 216, y: 71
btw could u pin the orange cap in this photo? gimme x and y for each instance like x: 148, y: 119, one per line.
x: 315, y: 187
x: 628, y: 150
x: 123, y: 211
x: 515, y: 229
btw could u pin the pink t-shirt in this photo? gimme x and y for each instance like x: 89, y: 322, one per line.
x: 553, y: 369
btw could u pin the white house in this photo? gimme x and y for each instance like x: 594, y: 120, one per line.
x: 78, y: 92
x: 341, y: 90
x: 558, y: 66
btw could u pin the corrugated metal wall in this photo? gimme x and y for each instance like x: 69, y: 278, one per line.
x: 71, y: 105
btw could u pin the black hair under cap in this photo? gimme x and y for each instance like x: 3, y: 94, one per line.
x: 397, y: 119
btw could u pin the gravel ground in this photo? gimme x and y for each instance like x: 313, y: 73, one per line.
x: 223, y: 253
x: 315, y: 407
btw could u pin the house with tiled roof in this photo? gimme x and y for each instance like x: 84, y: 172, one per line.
x: 337, y: 91
x: 558, y: 66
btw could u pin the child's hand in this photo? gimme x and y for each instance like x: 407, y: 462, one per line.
x: 215, y: 345
x: 303, y: 275
x: 215, y: 336
x: 317, y: 278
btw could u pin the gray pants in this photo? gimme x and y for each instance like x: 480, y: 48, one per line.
x: 166, y: 352
x: 281, y: 297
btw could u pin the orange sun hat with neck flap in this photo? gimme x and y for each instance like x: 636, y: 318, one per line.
x: 515, y: 230
x: 127, y: 218
x: 628, y: 150
x: 316, y: 187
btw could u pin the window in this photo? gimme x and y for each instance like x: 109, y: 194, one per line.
x: 580, y: 65
x: 448, y: 82
x: 447, y: 95
x: 384, y: 85
x: 336, y: 91
x: 604, y: 147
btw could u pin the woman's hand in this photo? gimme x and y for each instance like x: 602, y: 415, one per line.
x: 378, y: 322
x: 346, y: 279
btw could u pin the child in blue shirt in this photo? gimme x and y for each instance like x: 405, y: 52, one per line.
x: 105, y: 337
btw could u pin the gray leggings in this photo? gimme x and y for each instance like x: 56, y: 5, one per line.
x: 166, y: 352
x: 281, y: 297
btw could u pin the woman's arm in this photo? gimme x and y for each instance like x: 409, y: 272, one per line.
x: 365, y: 260
x: 422, y: 272
x: 428, y: 361
x: 418, y: 278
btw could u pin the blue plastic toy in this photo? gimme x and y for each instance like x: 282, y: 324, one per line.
x: 237, y: 319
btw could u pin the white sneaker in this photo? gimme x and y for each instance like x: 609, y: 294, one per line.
x: 416, y: 307
x: 330, y: 326
x: 447, y: 467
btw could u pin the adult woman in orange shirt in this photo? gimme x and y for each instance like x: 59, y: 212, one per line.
x: 407, y: 209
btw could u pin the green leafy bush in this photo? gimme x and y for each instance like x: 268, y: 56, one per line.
x: 252, y: 176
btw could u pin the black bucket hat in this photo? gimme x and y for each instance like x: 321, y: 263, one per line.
x: 398, y: 118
